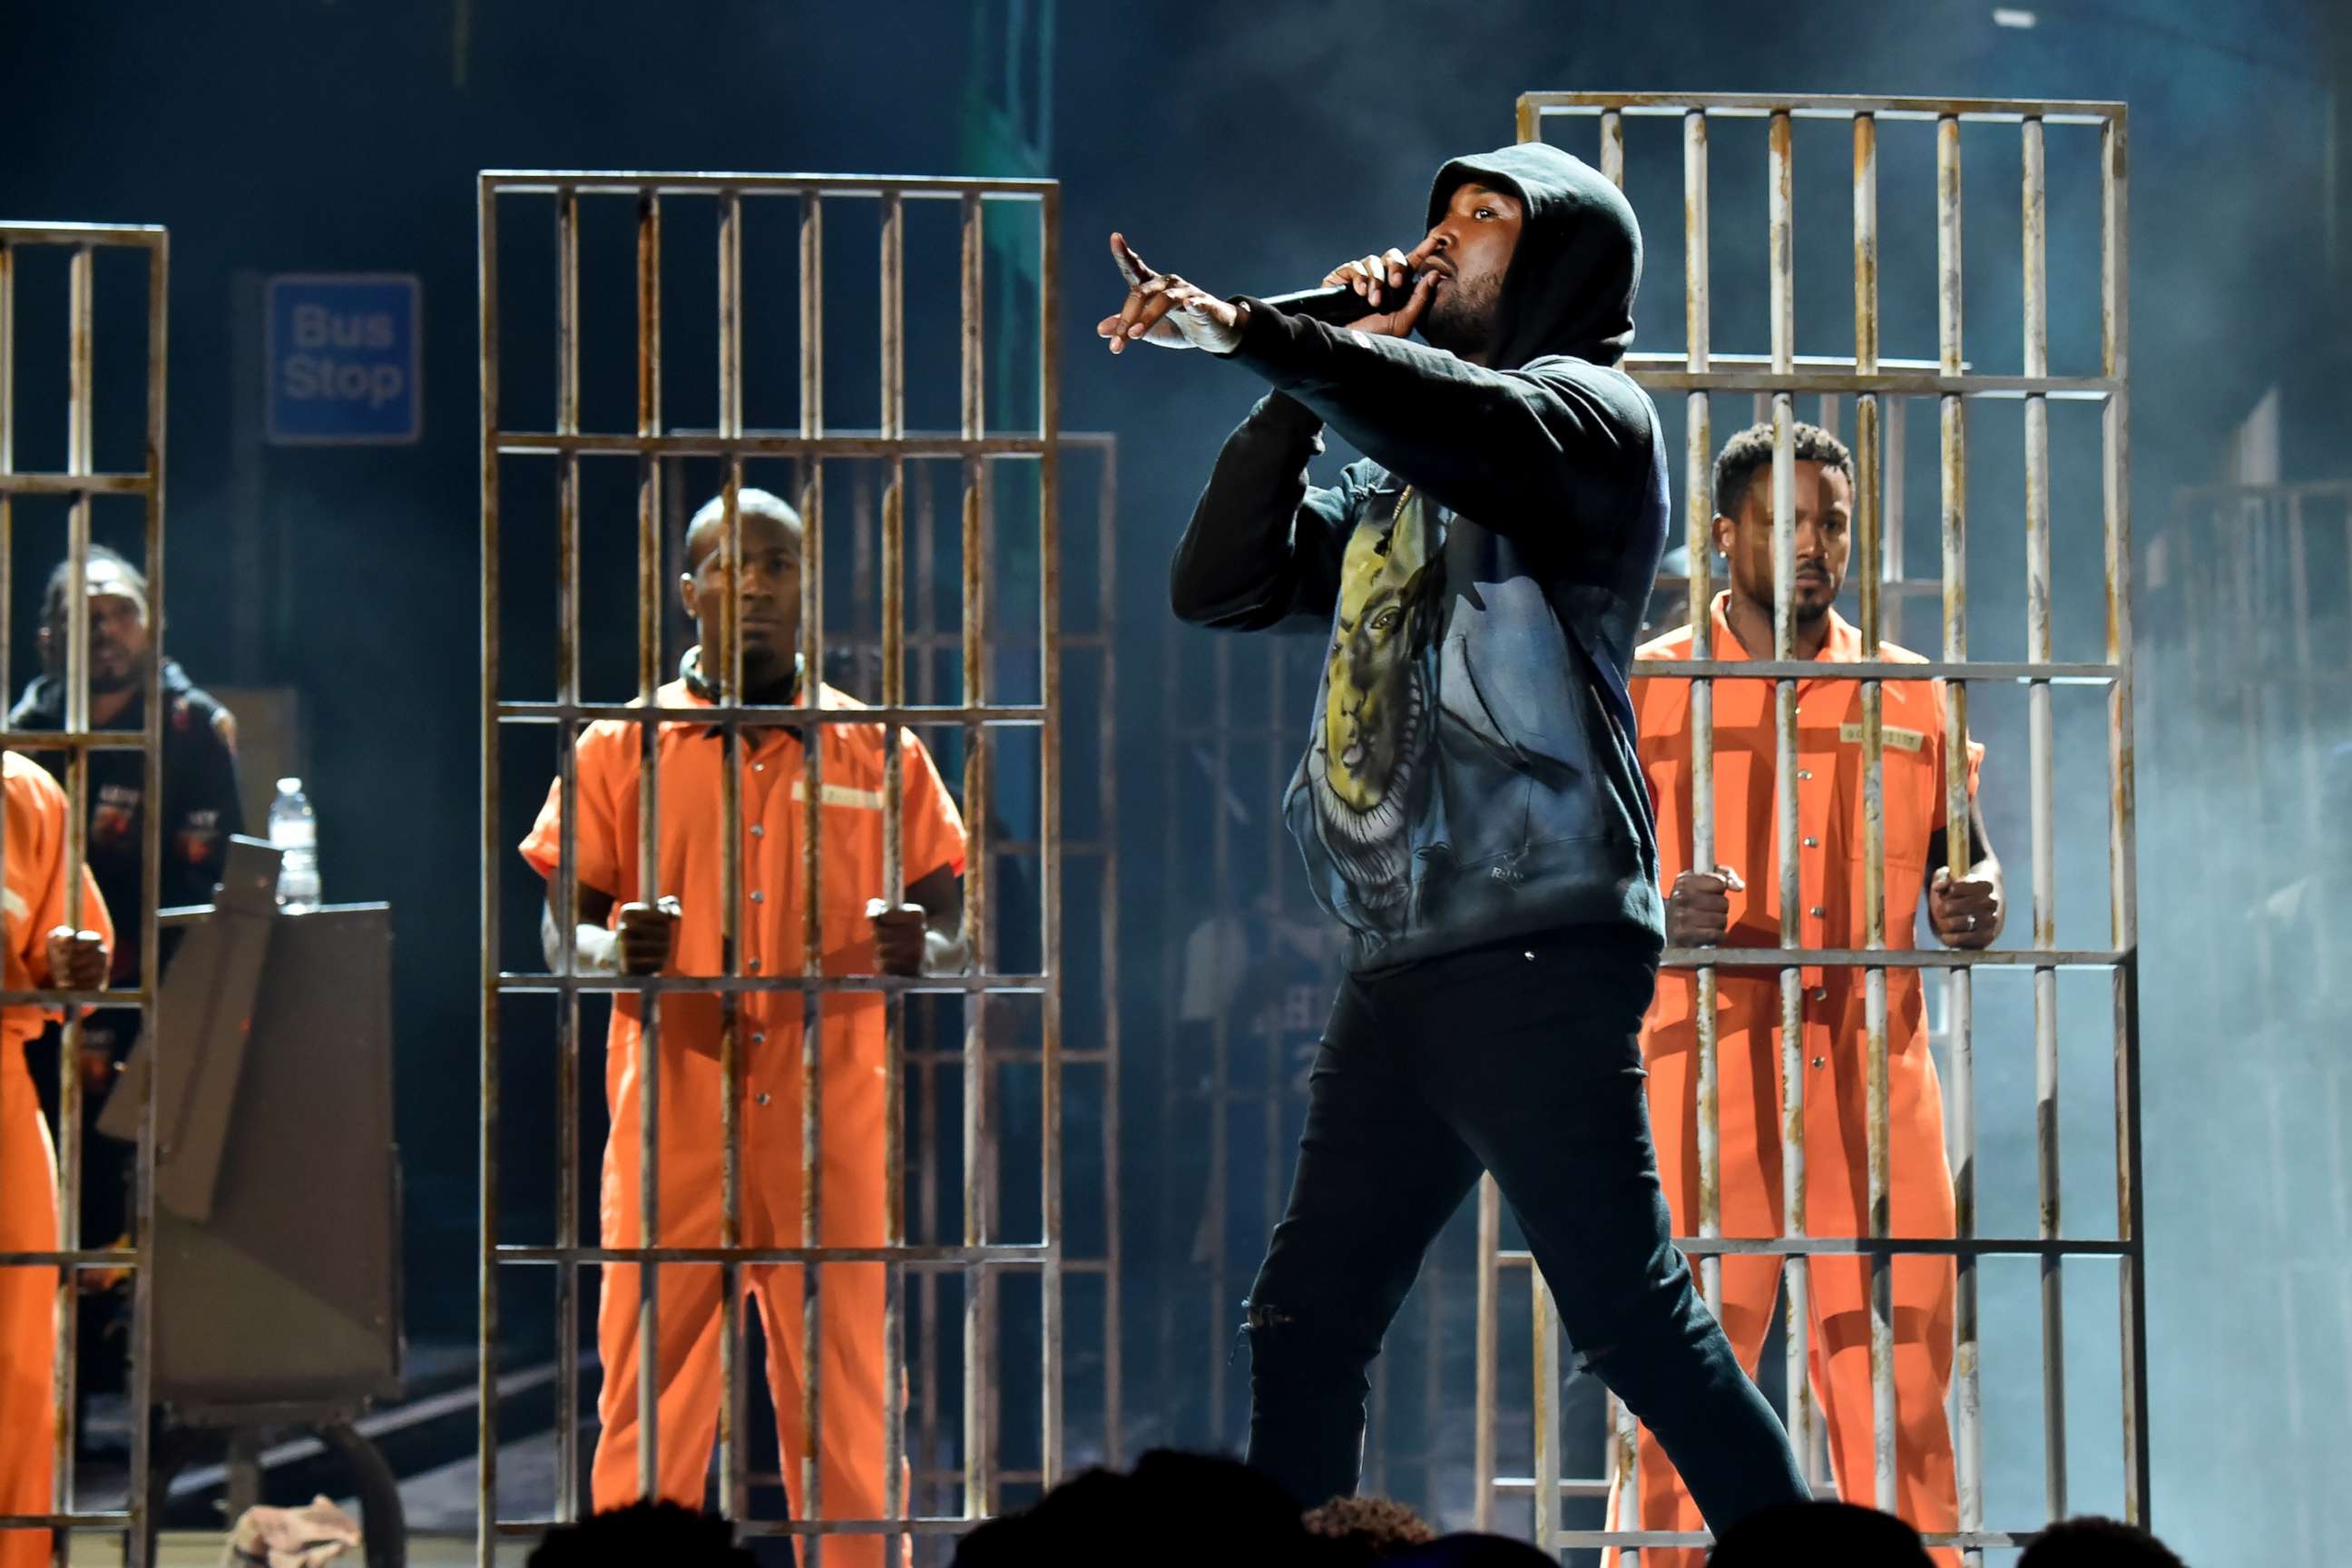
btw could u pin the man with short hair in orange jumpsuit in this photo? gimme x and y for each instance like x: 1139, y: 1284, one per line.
x: 674, y: 927
x: 42, y: 951
x: 1736, y: 903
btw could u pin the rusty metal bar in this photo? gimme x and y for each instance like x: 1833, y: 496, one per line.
x: 567, y: 876
x: 81, y: 371
x: 1698, y: 524
x: 1546, y: 1313
x: 1798, y: 1286
x: 978, y: 1351
x: 733, y: 1493
x: 745, y: 183
x: 1613, y: 148
x: 649, y: 683
x: 1535, y: 107
x: 2122, y: 865
x: 1107, y: 825
x: 1959, y: 993
x: 1487, y: 1357
x: 486, y: 1406
x: 893, y: 263
x: 1867, y: 482
x: 1049, y: 478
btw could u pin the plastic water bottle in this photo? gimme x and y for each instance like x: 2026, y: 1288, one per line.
x: 294, y: 832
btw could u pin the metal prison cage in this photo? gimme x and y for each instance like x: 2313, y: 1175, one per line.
x: 1873, y: 382
x: 74, y: 1508
x: 1246, y: 745
x: 993, y: 459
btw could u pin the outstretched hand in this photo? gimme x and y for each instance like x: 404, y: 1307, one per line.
x: 1164, y: 309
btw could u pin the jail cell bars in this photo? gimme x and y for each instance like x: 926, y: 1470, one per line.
x: 2247, y: 583
x: 1089, y: 860
x: 1874, y: 382
x: 71, y: 1514
x: 979, y: 1258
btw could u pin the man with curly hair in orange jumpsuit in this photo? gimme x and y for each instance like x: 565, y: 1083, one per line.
x: 1736, y: 903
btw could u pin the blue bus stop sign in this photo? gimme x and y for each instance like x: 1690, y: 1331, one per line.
x: 345, y: 359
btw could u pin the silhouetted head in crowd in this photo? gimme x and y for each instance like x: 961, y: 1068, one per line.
x: 653, y: 1535
x: 1466, y: 1550
x: 1367, y: 1528
x: 2092, y: 1543
x: 1170, y: 1509
x: 1827, y: 1533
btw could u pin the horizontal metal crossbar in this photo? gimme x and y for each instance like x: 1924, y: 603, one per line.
x: 83, y: 1258
x: 631, y: 183
x: 143, y: 236
x: 1673, y: 374
x: 767, y: 718
x: 1755, y: 105
x: 913, y: 447
x: 1872, y: 669
x: 1877, y: 1247
x: 47, y: 484
x: 511, y: 982
x: 999, y: 1254
x: 1889, y: 958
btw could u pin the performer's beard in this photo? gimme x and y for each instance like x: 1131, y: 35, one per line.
x: 1370, y: 848
x: 1461, y: 318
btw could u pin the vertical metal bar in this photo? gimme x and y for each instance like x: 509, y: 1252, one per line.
x: 649, y: 682
x: 1959, y: 982
x: 808, y: 1484
x: 1893, y: 528
x: 979, y: 1470
x: 486, y: 1390
x: 1546, y: 1313
x: 1049, y: 423
x: 567, y: 875
x: 1487, y: 1354
x: 1106, y: 799
x: 894, y: 867
x: 137, y: 1551
x: 2122, y: 868
x: 1612, y: 147
x: 1796, y: 1272
x: 79, y: 392
x: 1216, y: 1199
x: 8, y: 450
x: 1874, y: 810
x: 2041, y: 760
x: 1698, y: 522
x: 733, y: 1499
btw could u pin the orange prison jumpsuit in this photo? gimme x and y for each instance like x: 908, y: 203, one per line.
x: 1829, y: 815
x: 690, y: 1146
x: 36, y: 904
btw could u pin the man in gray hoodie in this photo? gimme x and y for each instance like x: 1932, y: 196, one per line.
x: 1469, y: 805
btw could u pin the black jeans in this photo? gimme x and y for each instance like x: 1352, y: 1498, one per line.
x: 1522, y: 1059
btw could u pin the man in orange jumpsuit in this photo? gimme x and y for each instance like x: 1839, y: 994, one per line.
x: 674, y: 927
x: 1736, y: 903
x: 42, y: 951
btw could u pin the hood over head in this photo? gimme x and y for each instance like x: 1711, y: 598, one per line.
x: 1570, y: 285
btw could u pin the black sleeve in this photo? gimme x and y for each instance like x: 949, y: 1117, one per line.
x: 1561, y: 444
x: 205, y: 799
x: 1263, y: 546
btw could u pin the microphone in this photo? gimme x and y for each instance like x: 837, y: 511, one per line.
x: 1339, y: 305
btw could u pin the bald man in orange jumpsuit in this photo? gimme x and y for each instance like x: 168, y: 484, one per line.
x: 674, y: 927
x: 42, y: 951
x: 1736, y: 903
